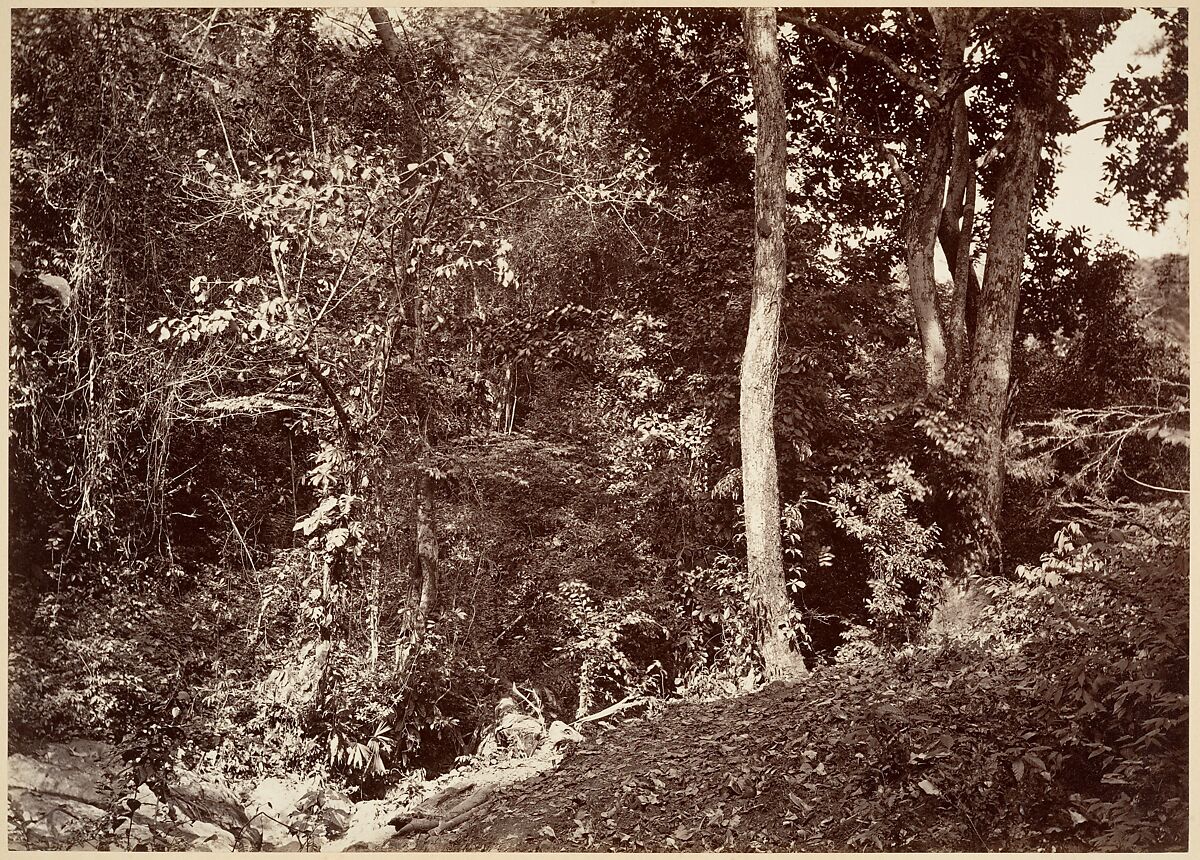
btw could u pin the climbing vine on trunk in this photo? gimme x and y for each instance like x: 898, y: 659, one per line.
x: 760, y: 466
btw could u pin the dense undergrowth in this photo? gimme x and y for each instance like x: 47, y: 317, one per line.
x: 1056, y: 721
x: 1056, y: 717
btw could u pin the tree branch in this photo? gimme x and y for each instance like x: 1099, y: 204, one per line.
x: 906, y: 183
x: 343, y: 417
x: 909, y: 79
x: 1153, y: 486
x: 1126, y: 115
x: 887, y: 138
x: 997, y: 148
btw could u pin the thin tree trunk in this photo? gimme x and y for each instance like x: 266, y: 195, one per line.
x: 427, y: 549
x: 393, y: 49
x: 991, y: 360
x: 920, y: 230
x: 760, y: 468
x: 396, y: 313
x: 373, y: 617
x: 954, y: 233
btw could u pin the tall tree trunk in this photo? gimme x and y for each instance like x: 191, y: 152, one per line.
x: 922, y: 217
x: 425, y: 561
x: 760, y: 468
x: 991, y: 359
x: 935, y: 209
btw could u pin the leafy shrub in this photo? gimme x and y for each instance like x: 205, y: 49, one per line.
x: 1099, y: 629
x: 904, y: 578
x: 606, y: 637
x: 717, y: 651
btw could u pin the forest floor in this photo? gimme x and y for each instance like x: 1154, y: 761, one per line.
x: 926, y: 753
x: 936, y: 749
x: 954, y: 746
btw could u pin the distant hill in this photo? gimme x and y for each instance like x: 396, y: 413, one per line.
x: 1162, y: 296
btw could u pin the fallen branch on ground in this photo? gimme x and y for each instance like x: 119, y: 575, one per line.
x: 426, y: 822
x: 623, y: 705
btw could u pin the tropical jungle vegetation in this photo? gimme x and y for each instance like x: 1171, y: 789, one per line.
x: 372, y: 367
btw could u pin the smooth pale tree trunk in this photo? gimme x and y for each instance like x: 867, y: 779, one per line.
x: 941, y: 207
x: 760, y: 468
x: 920, y: 232
x: 991, y: 358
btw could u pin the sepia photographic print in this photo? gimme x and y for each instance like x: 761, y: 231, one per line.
x: 598, y: 429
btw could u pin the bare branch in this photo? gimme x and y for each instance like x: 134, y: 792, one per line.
x: 906, y: 183
x: 909, y: 79
x: 343, y: 417
x: 998, y: 147
x: 1126, y: 115
x: 1154, y: 486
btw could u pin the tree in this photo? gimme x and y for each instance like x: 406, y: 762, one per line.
x: 760, y: 467
x: 984, y: 94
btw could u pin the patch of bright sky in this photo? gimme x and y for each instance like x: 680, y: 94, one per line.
x: 1083, y: 160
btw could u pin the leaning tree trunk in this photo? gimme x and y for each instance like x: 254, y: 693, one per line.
x: 991, y: 356
x: 406, y: 77
x: 760, y: 468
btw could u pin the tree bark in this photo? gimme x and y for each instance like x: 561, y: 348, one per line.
x: 954, y: 233
x: 936, y: 207
x: 343, y: 417
x: 427, y: 550
x: 991, y: 359
x: 920, y: 230
x: 386, y: 32
x: 760, y: 467
x: 393, y: 49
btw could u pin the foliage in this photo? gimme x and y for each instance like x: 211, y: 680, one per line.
x: 1139, y: 137
x: 718, y: 649
x: 278, y: 293
x: 1053, y: 723
x: 904, y: 580
x: 1100, y: 633
x: 606, y: 640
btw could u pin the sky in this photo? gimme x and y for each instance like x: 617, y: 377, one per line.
x: 1082, y: 176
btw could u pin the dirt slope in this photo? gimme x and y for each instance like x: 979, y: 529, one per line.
x: 915, y: 755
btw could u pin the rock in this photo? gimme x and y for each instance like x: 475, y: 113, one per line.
x: 560, y: 734
x: 131, y: 835
x: 368, y: 827
x: 194, y: 799
x: 65, y: 797
x: 53, y: 822
x: 60, y: 797
x: 514, y: 732
x: 274, y: 814
x: 202, y: 836
x: 75, y: 771
x: 293, y: 816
